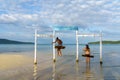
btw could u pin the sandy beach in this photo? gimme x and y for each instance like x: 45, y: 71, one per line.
x: 8, y: 61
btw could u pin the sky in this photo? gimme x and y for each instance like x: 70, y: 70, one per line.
x: 19, y: 18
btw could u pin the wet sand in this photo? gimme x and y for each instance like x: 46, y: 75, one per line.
x: 65, y: 68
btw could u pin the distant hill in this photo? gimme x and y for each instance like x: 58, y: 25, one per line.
x: 6, y: 41
x: 106, y: 42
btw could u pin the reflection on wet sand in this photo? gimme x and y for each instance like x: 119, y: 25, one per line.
x: 69, y: 71
x: 101, y: 72
x: 35, y: 72
x: 88, y: 73
x: 78, y: 74
x: 77, y: 70
x: 54, y: 71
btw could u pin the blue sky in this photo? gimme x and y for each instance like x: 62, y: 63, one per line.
x: 19, y: 18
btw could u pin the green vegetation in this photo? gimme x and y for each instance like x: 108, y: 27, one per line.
x: 106, y: 42
x: 6, y: 41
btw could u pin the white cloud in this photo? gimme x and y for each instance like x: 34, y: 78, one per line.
x: 18, y: 18
x: 7, y: 18
x: 64, y: 12
x: 84, y: 13
x: 101, y: 2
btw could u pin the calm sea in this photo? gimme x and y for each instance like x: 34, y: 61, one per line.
x: 69, y: 50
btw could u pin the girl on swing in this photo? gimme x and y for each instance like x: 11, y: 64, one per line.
x: 59, y: 45
x: 87, y: 53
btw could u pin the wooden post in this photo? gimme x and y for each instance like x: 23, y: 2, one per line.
x: 77, y: 44
x: 35, y: 46
x: 54, y: 56
x: 100, y: 47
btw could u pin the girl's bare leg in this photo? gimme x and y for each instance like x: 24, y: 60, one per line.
x: 87, y: 59
x: 60, y: 53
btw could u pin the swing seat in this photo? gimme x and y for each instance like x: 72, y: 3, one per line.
x: 60, y: 47
x: 91, y: 56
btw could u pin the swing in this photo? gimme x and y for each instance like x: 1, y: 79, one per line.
x: 60, y: 47
x: 91, y: 56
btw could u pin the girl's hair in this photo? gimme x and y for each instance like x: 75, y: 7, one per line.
x: 57, y: 38
x: 87, y: 46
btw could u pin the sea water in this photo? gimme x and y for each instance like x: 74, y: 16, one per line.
x: 70, y: 49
